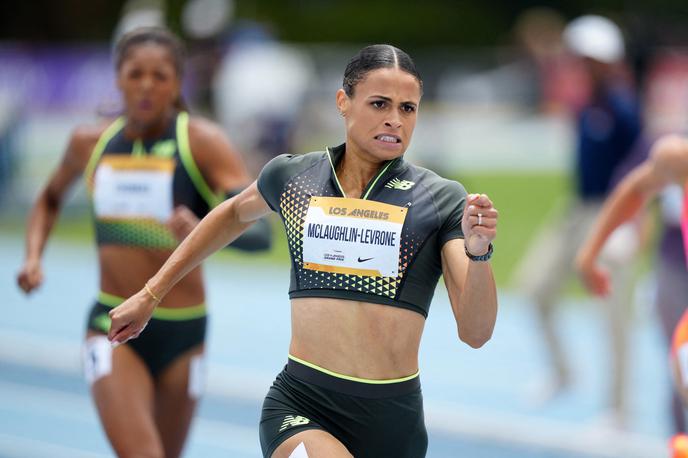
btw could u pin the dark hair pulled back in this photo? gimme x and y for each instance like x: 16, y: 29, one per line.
x: 373, y: 57
x: 158, y: 36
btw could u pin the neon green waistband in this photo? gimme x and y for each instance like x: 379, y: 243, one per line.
x: 160, y: 313
x: 353, y: 379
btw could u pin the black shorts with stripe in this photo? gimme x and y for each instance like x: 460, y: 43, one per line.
x: 164, y: 339
x: 371, y: 420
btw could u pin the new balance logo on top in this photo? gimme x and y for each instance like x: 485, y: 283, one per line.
x: 402, y: 185
x: 290, y: 421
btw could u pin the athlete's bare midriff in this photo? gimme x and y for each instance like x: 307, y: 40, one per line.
x: 124, y: 270
x: 357, y: 339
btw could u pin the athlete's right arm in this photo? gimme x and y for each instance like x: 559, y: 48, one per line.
x: 46, y: 209
x: 667, y: 163
x: 218, y: 228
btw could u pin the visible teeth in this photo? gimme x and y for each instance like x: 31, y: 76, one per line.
x: 387, y: 138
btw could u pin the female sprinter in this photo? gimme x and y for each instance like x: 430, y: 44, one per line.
x: 369, y: 236
x: 667, y: 164
x: 151, y: 174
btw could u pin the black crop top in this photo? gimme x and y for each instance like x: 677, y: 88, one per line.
x: 134, y: 185
x: 384, y: 247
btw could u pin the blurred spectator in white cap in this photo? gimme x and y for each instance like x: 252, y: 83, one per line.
x: 595, y: 37
x: 259, y: 92
x: 609, y: 141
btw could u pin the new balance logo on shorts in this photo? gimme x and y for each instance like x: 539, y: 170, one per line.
x: 290, y: 421
x: 402, y: 185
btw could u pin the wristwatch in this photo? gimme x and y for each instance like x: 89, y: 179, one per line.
x: 482, y: 257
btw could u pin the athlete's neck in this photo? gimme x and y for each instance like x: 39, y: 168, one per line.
x: 154, y: 129
x: 355, y: 170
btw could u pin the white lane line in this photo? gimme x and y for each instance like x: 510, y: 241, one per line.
x: 540, y: 433
x: 23, y: 348
x: 21, y: 447
x: 46, y: 401
x: 63, y: 356
x: 73, y: 407
x: 226, y: 436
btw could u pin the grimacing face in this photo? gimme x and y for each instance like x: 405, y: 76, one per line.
x: 381, y: 114
x: 149, y: 83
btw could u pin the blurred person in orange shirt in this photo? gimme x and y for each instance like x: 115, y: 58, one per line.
x: 679, y: 446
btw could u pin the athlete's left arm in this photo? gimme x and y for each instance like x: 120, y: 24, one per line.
x: 470, y: 284
x: 667, y: 163
x: 224, y: 171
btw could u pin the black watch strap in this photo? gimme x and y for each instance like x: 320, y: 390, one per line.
x: 483, y: 257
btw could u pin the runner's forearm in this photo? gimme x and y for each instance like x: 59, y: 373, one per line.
x: 477, y: 306
x: 623, y: 204
x: 219, y: 228
x: 39, y: 225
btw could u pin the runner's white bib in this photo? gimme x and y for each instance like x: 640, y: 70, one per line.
x: 353, y: 236
x: 133, y: 187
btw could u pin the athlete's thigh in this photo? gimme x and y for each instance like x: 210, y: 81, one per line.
x: 124, y: 399
x: 317, y: 443
x: 177, y: 392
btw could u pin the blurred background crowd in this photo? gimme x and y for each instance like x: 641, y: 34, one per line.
x: 504, y: 92
x: 501, y: 90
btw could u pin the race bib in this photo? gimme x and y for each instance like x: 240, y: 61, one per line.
x: 197, y: 376
x: 96, y: 356
x: 133, y: 187
x: 353, y: 236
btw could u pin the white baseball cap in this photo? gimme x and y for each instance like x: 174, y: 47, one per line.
x: 595, y: 37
